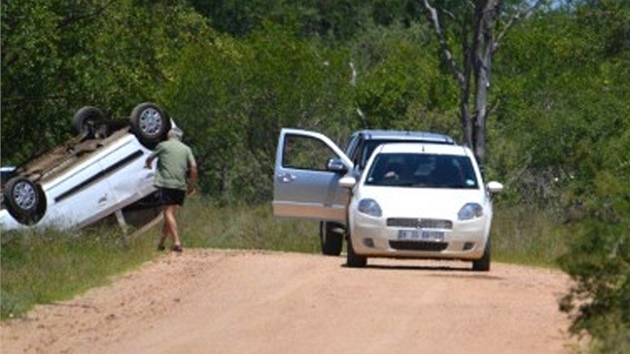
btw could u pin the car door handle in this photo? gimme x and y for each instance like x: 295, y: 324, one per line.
x: 286, y: 177
x: 102, y: 200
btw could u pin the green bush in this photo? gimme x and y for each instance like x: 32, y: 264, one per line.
x: 598, y: 261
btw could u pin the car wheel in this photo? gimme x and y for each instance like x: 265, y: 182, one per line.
x: 25, y: 200
x: 483, y: 264
x: 354, y: 260
x: 150, y: 124
x: 331, y: 238
x: 90, y: 122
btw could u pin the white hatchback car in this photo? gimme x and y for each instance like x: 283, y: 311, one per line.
x: 413, y: 200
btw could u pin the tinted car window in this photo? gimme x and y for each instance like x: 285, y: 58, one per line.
x: 422, y: 171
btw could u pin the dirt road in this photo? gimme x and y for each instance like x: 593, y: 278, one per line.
x: 262, y: 302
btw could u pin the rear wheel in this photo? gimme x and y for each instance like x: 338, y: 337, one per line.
x: 150, y: 124
x: 331, y: 237
x: 354, y: 260
x: 90, y: 122
x: 483, y: 264
x: 25, y: 200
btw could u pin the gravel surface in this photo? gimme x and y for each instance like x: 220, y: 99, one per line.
x: 211, y: 301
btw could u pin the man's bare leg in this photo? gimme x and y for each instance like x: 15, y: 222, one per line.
x: 170, y: 224
x: 163, y: 237
x: 166, y: 230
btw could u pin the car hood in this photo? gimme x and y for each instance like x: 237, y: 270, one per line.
x: 424, y: 202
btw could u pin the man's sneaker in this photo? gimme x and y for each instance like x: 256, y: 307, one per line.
x: 177, y: 248
x: 161, y: 247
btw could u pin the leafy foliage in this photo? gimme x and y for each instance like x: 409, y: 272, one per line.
x: 336, y: 20
x: 563, y: 100
x: 234, y: 97
x: 58, y: 56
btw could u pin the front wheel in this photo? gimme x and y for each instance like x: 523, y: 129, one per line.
x: 354, y: 260
x: 483, y: 264
x: 331, y: 238
x: 149, y: 123
x: 25, y: 200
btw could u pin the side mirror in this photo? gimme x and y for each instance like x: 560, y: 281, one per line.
x: 335, y: 165
x: 494, y: 187
x: 347, y: 182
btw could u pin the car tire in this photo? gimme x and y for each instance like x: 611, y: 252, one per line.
x: 483, y: 264
x: 150, y: 124
x: 25, y: 200
x: 354, y: 260
x: 90, y: 122
x: 331, y: 239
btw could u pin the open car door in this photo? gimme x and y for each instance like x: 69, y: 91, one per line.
x: 306, y: 179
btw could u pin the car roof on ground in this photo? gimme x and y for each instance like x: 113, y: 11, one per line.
x: 435, y: 138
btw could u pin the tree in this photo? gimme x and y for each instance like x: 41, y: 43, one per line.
x: 564, y: 114
x: 476, y: 25
x: 397, y: 84
x: 232, y: 97
x: 58, y: 56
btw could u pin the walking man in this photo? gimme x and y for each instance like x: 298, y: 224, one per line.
x: 175, y: 177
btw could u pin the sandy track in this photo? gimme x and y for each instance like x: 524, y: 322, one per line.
x: 261, y: 302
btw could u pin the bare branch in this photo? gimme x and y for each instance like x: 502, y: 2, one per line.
x: 443, y: 44
x: 523, y: 13
x: 449, y: 14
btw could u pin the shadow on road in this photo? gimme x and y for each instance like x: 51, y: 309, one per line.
x: 453, y: 271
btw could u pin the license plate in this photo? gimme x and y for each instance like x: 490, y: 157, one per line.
x: 420, y: 235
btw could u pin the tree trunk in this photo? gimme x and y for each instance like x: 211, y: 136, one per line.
x: 466, y: 121
x: 476, y: 61
x: 483, y: 68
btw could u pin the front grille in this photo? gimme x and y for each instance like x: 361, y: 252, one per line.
x: 418, y: 245
x: 420, y: 223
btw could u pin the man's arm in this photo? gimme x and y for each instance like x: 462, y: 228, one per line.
x: 152, y: 156
x: 149, y: 161
x: 193, y: 176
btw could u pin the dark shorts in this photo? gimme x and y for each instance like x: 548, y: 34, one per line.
x: 170, y: 196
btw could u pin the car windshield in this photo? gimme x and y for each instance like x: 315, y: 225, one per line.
x: 370, y: 146
x: 422, y: 171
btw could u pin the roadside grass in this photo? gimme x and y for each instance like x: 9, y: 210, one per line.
x: 527, y: 236
x: 251, y: 227
x: 42, y: 267
x: 45, y: 266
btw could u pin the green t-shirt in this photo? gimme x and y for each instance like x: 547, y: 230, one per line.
x: 174, y: 160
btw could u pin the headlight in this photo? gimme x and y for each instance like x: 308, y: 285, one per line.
x: 370, y: 207
x: 470, y: 211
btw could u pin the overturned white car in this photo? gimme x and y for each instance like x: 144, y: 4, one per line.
x: 93, y: 176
